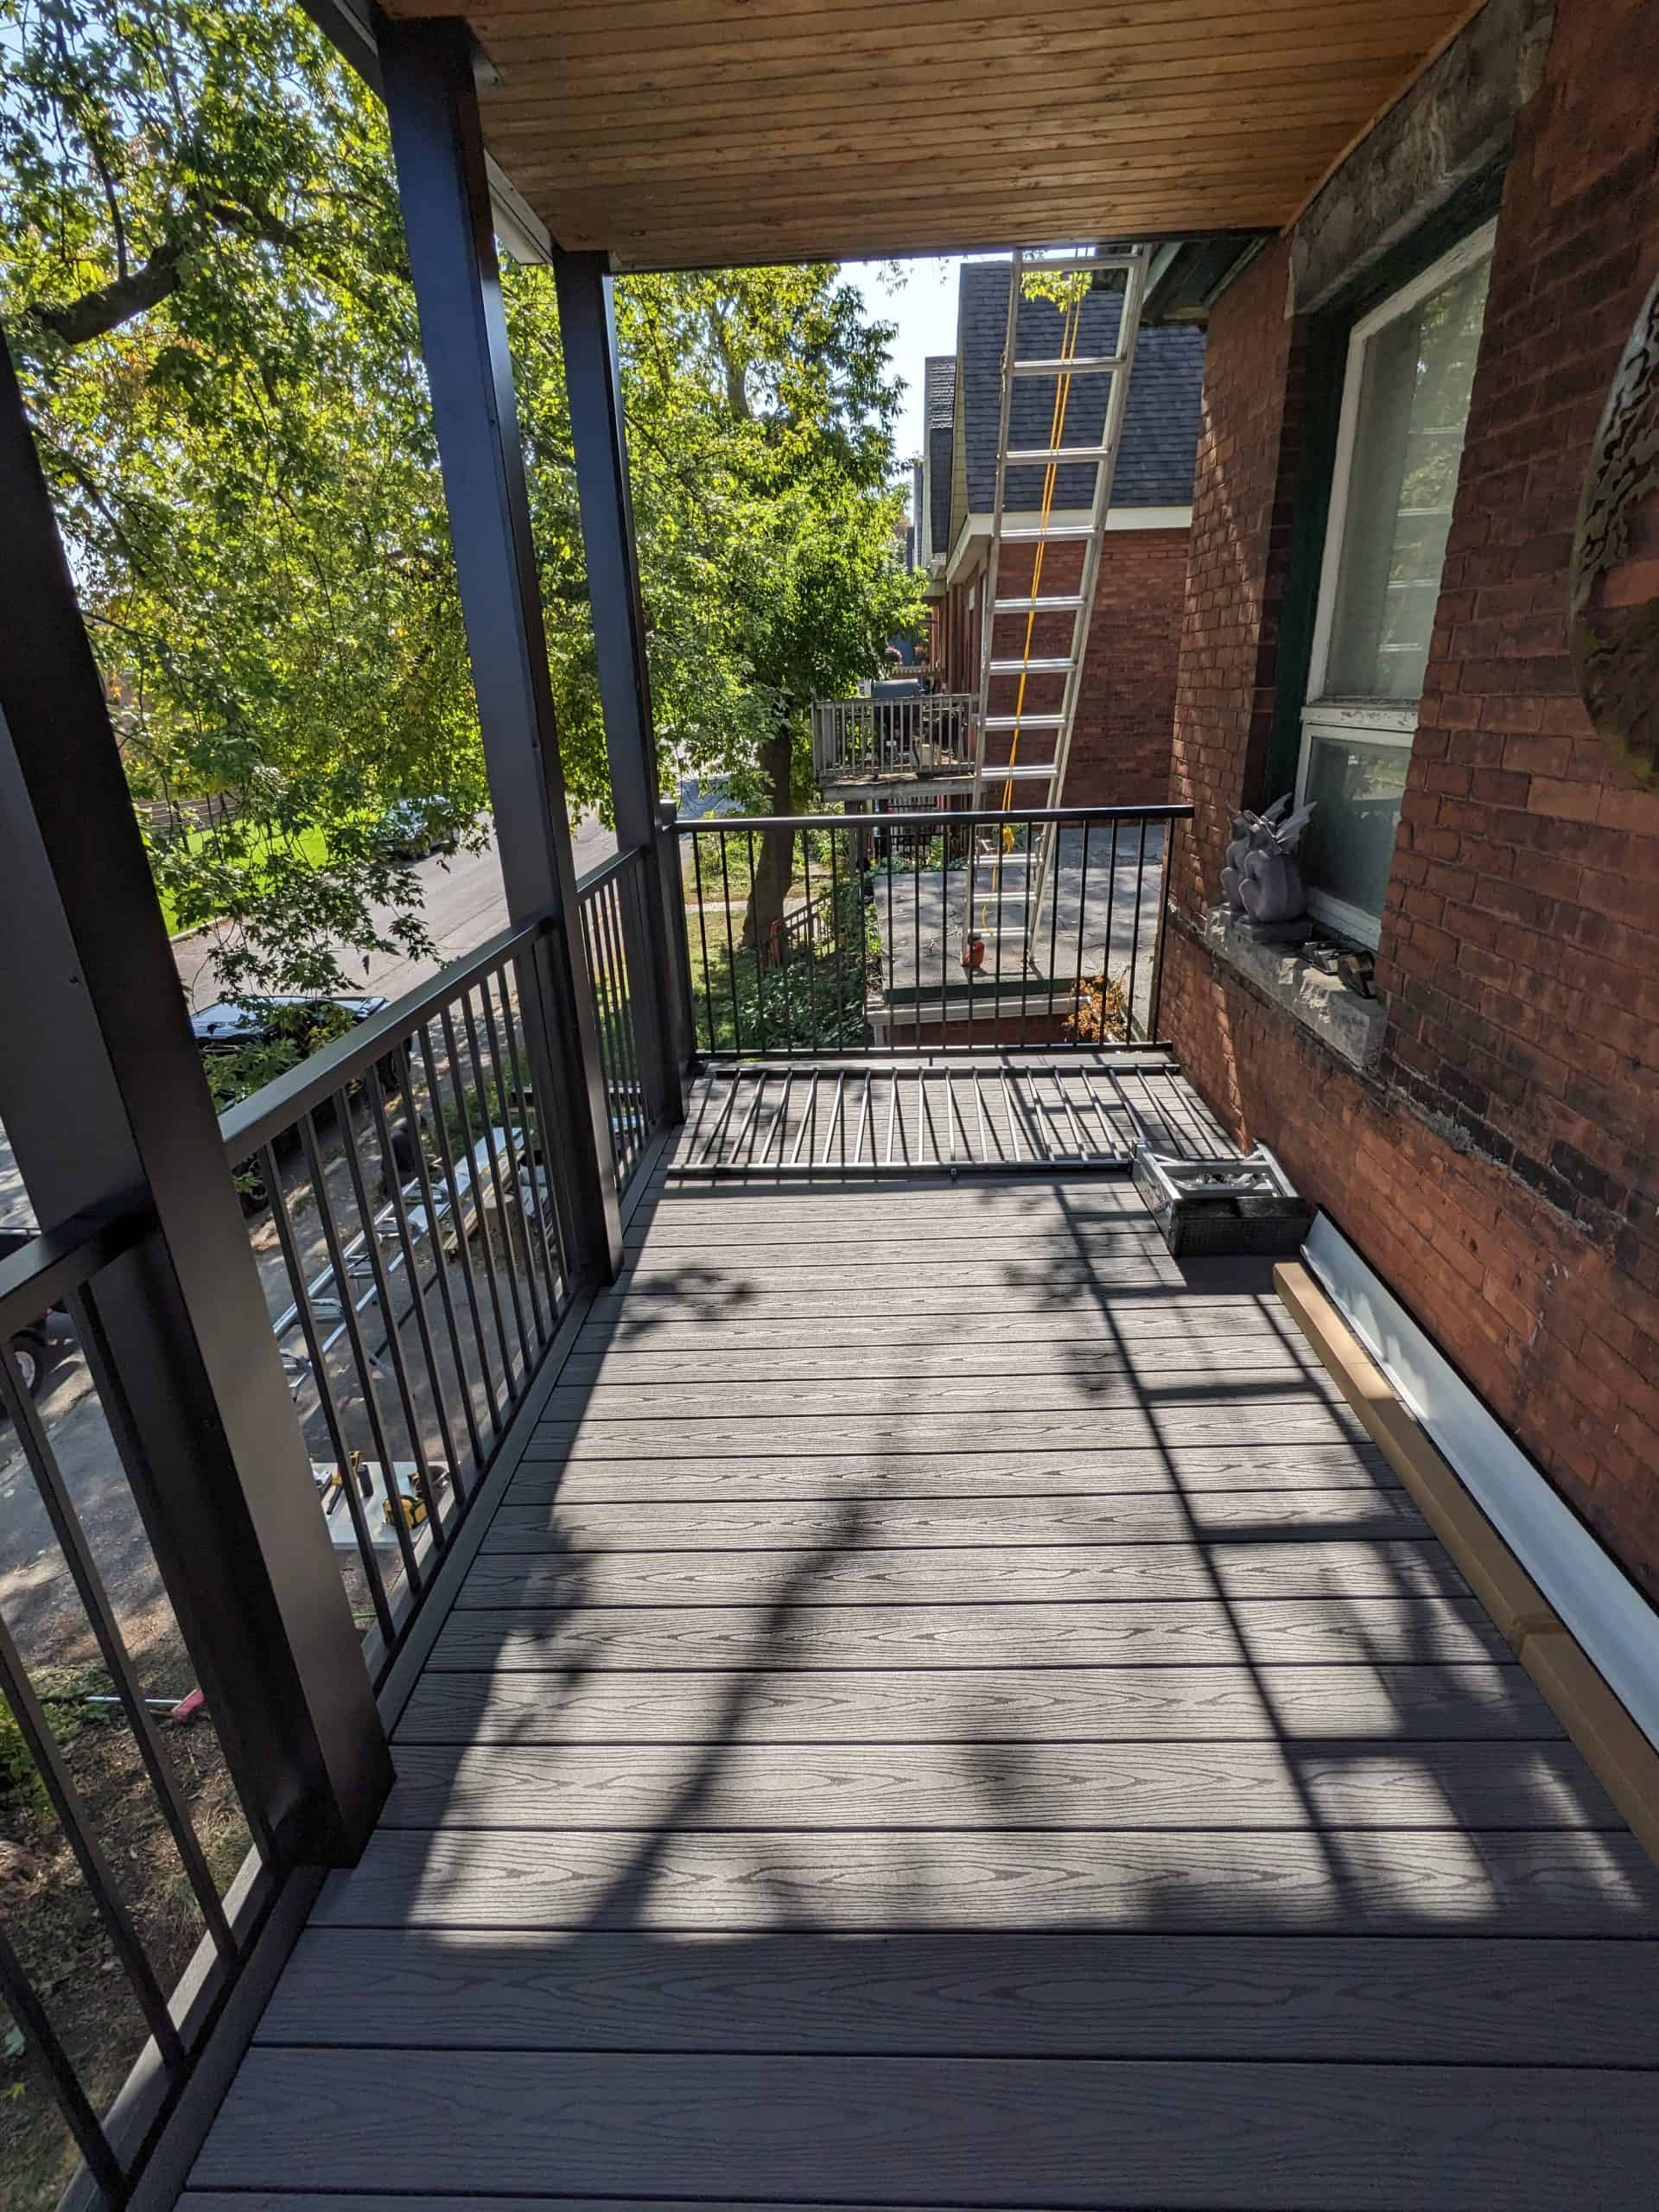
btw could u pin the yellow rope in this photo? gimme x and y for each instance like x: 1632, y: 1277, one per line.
x: 1051, y: 478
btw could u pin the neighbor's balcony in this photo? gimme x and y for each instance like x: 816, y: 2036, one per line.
x: 866, y: 745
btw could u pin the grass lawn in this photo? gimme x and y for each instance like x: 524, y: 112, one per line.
x: 312, y: 846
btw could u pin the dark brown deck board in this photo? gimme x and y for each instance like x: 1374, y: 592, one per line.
x: 951, y: 1712
x: 1009, y: 2129
x: 1305, y: 1997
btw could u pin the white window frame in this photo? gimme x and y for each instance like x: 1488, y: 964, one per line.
x: 1377, y: 721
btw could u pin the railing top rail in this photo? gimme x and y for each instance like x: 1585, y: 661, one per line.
x: 596, y: 878
x: 953, y: 820
x: 255, y: 1121
x: 59, y: 1261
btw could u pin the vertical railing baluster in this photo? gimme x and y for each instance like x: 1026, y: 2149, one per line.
x: 1134, y: 943
x: 352, y: 1320
x: 509, y: 1097
x: 463, y: 1241
x: 732, y: 946
x: 394, y: 1182
x: 49, y: 1484
x: 1056, y: 877
x: 41, y: 1745
x: 487, y: 1140
x: 703, y: 935
x: 1154, y: 1010
x: 1083, y: 918
x: 36, y: 2024
x: 317, y: 1353
x: 440, y: 1269
x: 554, y: 1272
x: 380, y: 1275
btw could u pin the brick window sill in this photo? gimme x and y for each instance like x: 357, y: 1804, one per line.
x: 1345, y: 1022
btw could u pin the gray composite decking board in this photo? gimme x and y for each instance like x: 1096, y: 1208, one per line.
x: 959, y: 1786
x: 1484, y: 2000
x: 713, y: 1292
x: 887, y: 1524
x: 1077, y: 1574
x: 1097, y: 1250
x: 987, y: 1475
x: 276, y: 2200
x: 1312, y: 1632
x: 952, y: 1711
x: 1378, y: 1881
x: 719, y: 1360
x: 984, y: 1272
x: 1080, y: 1386
x: 1285, y: 1421
x: 1355, y: 1704
x: 996, y: 2131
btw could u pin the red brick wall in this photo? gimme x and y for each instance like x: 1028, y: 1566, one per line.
x: 1501, y: 1170
x: 1239, y: 544
x: 1126, y: 710
x: 1121, y: 741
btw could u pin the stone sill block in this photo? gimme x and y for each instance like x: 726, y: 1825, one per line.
x: 1351, y: 1027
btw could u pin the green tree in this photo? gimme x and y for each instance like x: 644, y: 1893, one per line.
x: 203, y: 278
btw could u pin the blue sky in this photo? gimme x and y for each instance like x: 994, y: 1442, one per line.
x: 924, y: 305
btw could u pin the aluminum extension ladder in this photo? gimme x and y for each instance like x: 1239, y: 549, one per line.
x: 1006, y: 884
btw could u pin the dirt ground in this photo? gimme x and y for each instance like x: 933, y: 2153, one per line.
x: 48, y: 1910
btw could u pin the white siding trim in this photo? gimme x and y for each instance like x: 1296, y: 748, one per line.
x: 1590, y: 1592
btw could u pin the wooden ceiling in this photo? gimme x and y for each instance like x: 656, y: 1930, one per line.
x: 679, y: 133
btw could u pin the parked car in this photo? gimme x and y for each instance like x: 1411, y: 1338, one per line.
x: 33, y: 1348
x: 229, y: 1024
x: 410, y: 828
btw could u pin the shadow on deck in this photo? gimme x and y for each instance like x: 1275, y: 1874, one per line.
x: 951, y: 1711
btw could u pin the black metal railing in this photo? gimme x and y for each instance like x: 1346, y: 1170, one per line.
x: 611, y: 902
x: 901, y: 931
x: 406, y: 1222
x: 137, y: 1880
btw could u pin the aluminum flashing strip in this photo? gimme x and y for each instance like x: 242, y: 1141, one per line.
x: 1594, y: 1596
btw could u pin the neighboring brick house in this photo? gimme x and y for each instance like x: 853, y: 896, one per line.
x: 1400, y: 398
x: 1120, y: 740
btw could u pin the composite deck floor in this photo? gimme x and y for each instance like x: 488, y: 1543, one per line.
x: 951, y: 1712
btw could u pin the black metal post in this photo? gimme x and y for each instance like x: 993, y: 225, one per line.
x: 103, y: 1097
x: 425, y: 70
x: 594, y: 380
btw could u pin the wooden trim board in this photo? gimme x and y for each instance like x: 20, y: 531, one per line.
x: 1619, y: 1754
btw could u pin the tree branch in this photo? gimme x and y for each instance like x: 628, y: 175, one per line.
x: 95, y: 314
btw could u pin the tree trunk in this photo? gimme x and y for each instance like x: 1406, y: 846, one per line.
x: 774, y: 867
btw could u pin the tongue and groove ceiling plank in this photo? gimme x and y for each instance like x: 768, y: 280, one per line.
x: 720, y: 132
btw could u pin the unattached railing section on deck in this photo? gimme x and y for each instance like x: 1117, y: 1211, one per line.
x: 899, y: 931
x: 861, y: 741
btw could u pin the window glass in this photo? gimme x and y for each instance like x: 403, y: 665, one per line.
x: 1416, y: 377
x: 1348, y: 847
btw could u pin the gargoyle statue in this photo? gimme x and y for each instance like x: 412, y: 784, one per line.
x: 1262, y: 879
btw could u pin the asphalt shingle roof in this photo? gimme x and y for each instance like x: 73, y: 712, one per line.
x: 1161, y: 426
x: 938, y: 415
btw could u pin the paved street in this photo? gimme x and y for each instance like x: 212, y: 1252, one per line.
x: 464, y: 904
